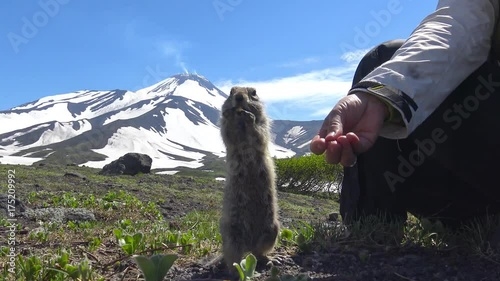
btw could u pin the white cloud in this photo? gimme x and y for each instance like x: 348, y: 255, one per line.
x: 304, y: 96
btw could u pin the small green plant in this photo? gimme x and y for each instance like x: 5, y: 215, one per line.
x: 130, y: 243
x: 69, y: 200
x: 90, y: 201
x: 40, y: 235
x: 4, y: 222
x: 428, y: 233
x: 72, y: 225
x: 31, y: 197
x: 246, y: 268
x: 30, y: 268
x: 151, y: 209
x: 4, y: 251
x: 125, y: 224
x: 110, y: 196
x: 286, y: 236
x: 203, y: 235
x: 155, y: 268
x: 304, y: 237
x: 94, y: 244
x: 186, y: 241
x: 80, y: 272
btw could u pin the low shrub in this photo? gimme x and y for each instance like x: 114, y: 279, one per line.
x: 308, y: 174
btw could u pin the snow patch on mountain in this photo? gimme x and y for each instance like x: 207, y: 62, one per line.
x: 14, y: 136
x: 130, y: 113
x: 29, y: 154
x: 172, y: 172
x: 157, y: 146
x: 49, y: 100
x: 280, y: 152
x: 15, y: 120
x: 62, y: 131
x: 18, y: 160
x: 181, y: 130
x: 293, y: 134
x: 192, y: 90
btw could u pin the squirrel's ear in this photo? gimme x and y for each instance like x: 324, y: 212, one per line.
x: 233, y: 90
x: 251, y: 91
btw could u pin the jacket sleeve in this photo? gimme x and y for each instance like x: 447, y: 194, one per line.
x: 445, y: 48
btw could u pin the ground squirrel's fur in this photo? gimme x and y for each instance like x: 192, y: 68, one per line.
x: 249, y: 221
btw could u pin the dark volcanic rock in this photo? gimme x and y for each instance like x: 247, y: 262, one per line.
x: 11, y: 204
x: 74, y: 175
x: 128, y: 164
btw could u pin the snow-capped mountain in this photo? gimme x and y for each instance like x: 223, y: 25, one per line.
x: 174, y: 121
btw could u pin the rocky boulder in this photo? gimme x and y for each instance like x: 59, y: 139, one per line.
x: 128, y: 164
x: 11, y: 205
x: 57, y: 215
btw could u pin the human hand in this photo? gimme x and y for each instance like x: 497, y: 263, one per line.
x: 350, y: 128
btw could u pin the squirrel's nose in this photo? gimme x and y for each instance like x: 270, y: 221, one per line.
x: 239, y: 98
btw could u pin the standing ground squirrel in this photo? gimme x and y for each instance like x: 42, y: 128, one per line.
x: 249, y: 221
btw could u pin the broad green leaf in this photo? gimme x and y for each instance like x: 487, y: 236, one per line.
x: 164, y: 263
x: 249, y: 264
x: 137, y: 239
x: 156, y: 267
x: 128, y: 239
x: 118, y: 233
x: 129, y: 249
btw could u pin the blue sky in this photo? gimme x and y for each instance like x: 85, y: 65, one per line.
x: 300, y: 55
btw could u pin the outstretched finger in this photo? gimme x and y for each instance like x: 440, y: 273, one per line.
x: 317, y: 145
x: 348, y: 157
x: 333, y: 152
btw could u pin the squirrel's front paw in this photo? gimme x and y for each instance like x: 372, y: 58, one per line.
x: 246, y: 115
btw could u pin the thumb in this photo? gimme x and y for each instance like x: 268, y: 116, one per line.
x: 333, y: 125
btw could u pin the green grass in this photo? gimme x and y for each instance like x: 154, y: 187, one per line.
x: 146, y: 214
x: 373, y: 232
x: 152, y: 214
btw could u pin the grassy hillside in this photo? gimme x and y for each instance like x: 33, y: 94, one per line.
x: 174, y: 214
x: 83, y: 226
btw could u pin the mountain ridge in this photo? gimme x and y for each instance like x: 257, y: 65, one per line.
x: 175, y: 121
